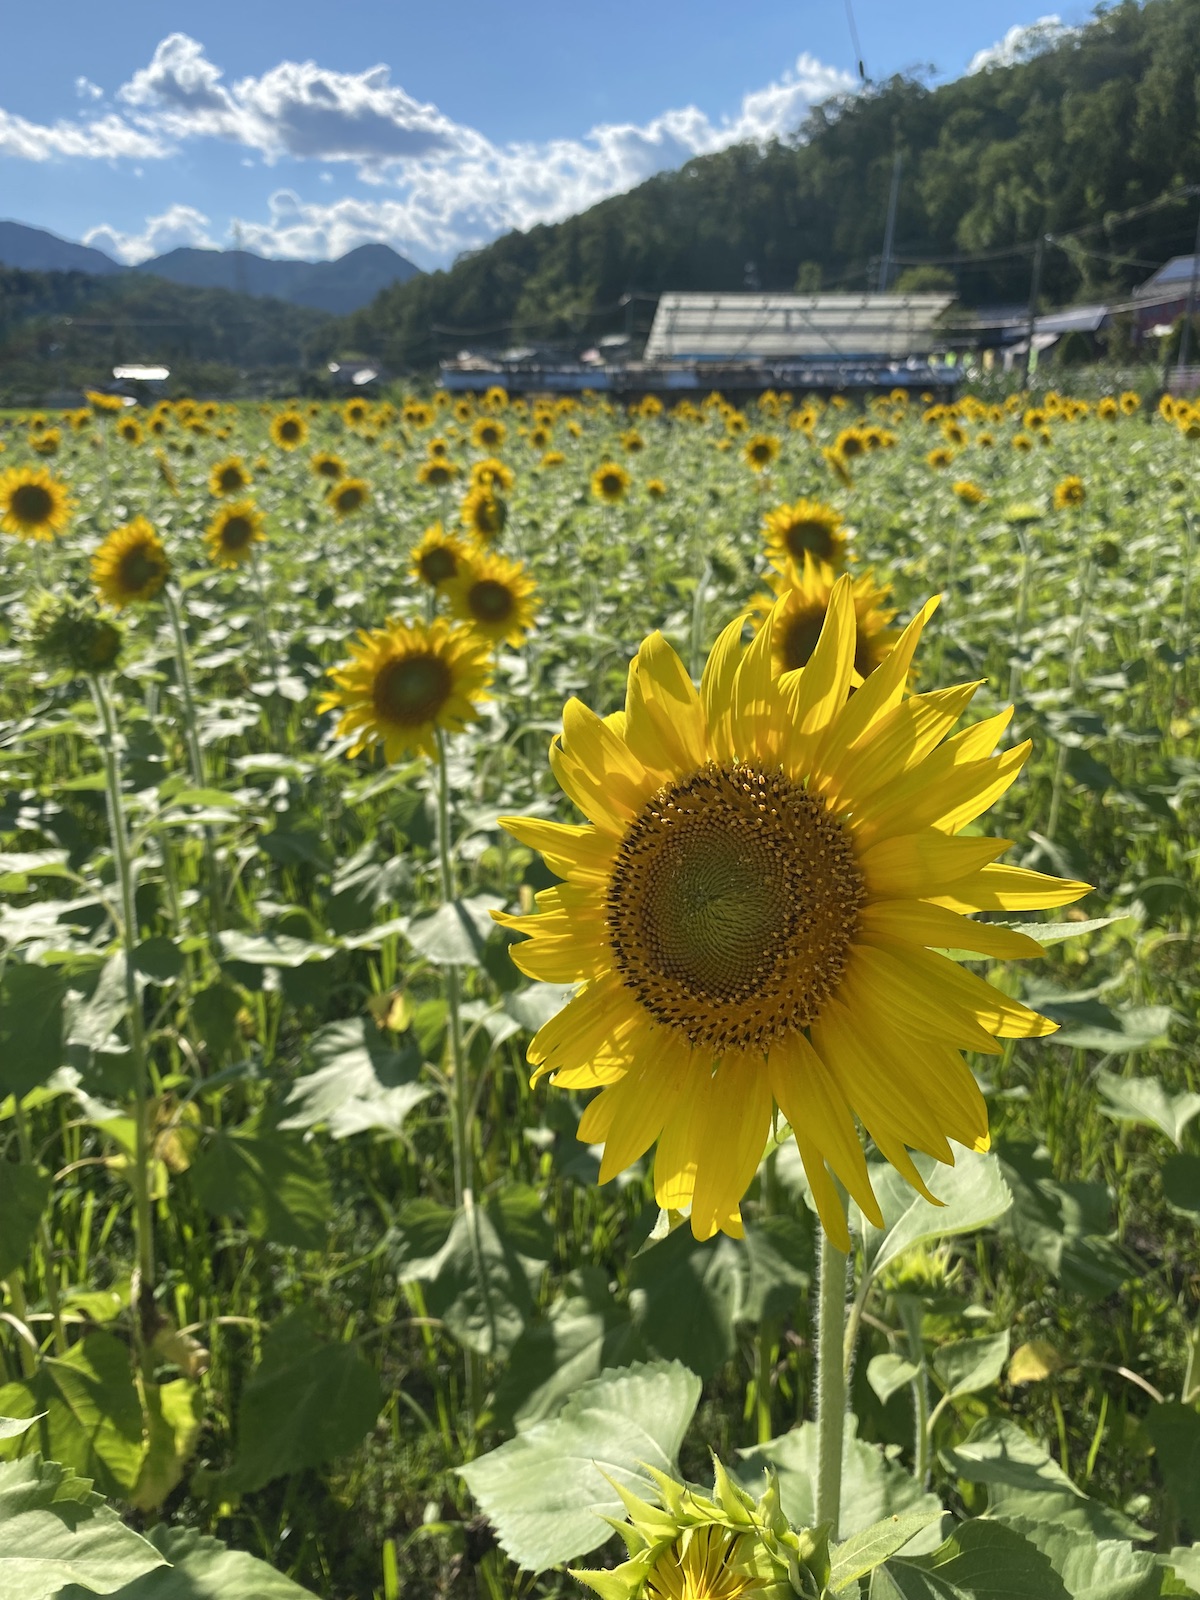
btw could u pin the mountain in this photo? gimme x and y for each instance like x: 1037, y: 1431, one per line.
x: 1097, y: 125
x: 35, y: 250
x: 337, y: 287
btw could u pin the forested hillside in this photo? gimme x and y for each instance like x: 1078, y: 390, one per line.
x: 1101, y: 123
x: 61, y: 330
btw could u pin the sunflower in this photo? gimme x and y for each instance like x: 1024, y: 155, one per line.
x: 418, y: 415
x: 437, y: 449
x: 489, y: 433
x: 796, y: 607
x: 760, y: 451
x: 228, y: 477
x: 539, y: 437
x: 1108, y: 409
x: 47, y: 442
x: 103, y: 402
x: 850, y: 443
x: 166, y: 471
x: 484, y: 513
x: 756, y: 910
x: 405, y: 682
x: 131, y: 565
x: 632, y: 441
x: 656, y: 488
x: 492, y: 473
x: 355, y: 413
x: 289, y: 430
x: 554, y: 458
x: 1130, y: 402
x: 463, y: 410
x: 836, y: 462
x: 33, y: 505
x: 438, y: 557
x: 1068, y: 492
x: 437, y: 473
x: 610, y: 482
x: 233, y: 533
x: 1022, y: 442
x: 809, y: 527
x: 130, y: 429
x: 325, y: 464
x: 496, y: 596
x: 968, y: 492
x: 348, y: 496
x: 939, y: 457
x: 985, y: 440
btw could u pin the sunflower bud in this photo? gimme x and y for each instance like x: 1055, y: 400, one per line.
x: 70, y: 633
x: 722, y: 1548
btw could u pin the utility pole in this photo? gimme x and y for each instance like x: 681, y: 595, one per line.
x: 1185, y: 336
x: 1035, y: 289
x: 889, y: 232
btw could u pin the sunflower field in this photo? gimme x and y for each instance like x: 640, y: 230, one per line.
x: 600, y: 1000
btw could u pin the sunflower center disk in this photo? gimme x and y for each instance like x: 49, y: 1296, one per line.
x: 412, y: 689
x: 812, y: 537
x: 31, y: 503
x: 799, y: 638
x: 491, y: 601
x: 138, y: 569
x: 732, y: 906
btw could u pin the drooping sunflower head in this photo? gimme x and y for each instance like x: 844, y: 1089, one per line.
x: 760, y: 450
x: 757, y: 913
x: 233, y: 533
x: 46, y: 442
x: 485, y: 513
x: 805, y: 590
x: 438, y: 557
x: 406, y: 682
x: 348, y: 496
x: 437, y: 473
x: 968, y: 492
x: 496, y: 596
x: 1069, y: 492
x: 327, y: 465
x: 289, y: 430
x: 228, y: 477
x: 33, y: 505
x: 492, y: 473
x: 610, y: 482
x: 64, y: 632
x: 807, y: 528
x: 489, y: 433
x: 131, y: 566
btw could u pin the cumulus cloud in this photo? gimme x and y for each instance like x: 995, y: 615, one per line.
x: 1021, y: 43
x: 179, y: 225
x: 104, y: 139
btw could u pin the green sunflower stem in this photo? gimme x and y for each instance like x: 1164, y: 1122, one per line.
x: 195, y: 752
x: 832, y: 1285
x: 460, y: 1102
x: 140, y: 1174
x: 697, y: 643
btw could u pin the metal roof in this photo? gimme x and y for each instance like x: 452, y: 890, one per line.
x: 1177, y: 273
x: 767, y: 327
x: 1075, y: 319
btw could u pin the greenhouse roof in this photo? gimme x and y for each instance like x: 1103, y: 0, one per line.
x: 768, y: 327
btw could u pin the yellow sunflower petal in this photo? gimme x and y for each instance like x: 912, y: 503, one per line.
x: 924, y: 864
x: 570, y: 850
x: 819, y: 690
x: 884, y: 688
x: 716, y: 688
x: 896, y: 744
x: 920, y: 923
x: 663, y: 700
x: 732, y: 1128
x: 818, y: 1115
x: 581, y: 1029
x: 644, y: 1099
x: 1003, y: 888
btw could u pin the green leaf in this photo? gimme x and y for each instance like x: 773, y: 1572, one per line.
x: 969, y: 1365
x: 1185, y: 1563
x: 54, y: 1531
x: 174, y: 1413
x: 973, y: 1193
x: 1145, y: 1100
x: 31, y: 1026
x: 1094, y: 1569
x: 546, y: 1491
x: 582, y: 1333
x: 1137, y: 1028
x: 779, y: 1259
x: 305, y: 1403
x: 1056, y: 932
x: 455, y: 934
x: 271, y: 949
x: 1180, y: 1181
x: 686, y: 1297
x: 24, y: 1194
x: 874, y: 1485
x: 889, y: 1373
x: 159, y: 959
x: 203, y: 1569
x: 275, y: 1182
x: 91, y: 1413
x: 360, y: 1082
x: 870, y: 1548
x: 983, y: 1560
x: 1023, y: 1481
x: 1175, y: 1432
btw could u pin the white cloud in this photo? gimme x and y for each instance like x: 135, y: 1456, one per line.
x: 1021, y: 43
x: 180, y: 225
x: 106, y: 139
x: 87, y: 90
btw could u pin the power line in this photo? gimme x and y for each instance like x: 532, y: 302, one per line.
x: 858, y: 55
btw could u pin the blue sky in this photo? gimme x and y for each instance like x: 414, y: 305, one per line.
x: 312, y: 128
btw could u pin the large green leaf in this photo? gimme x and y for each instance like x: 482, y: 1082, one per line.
x: 1175, y: 1431
x: 31, y: 1026
x: 54, y: 1531
x: 91, y: 1413
x: 359, y: 1084
x: 305, y: 1403
x: 203, y: 1569
x: 973, y: 1193
x: 968, y: 1365
x: 1094, y: 1569
x: 869, y: 1549
x: 1180, y: 1182
x: 272, y: 950
x: 24, y: 1192
x: 272, y: 1180
x: 686, y: 1297
x: 874, y: 1486
x: 455, y: 934
x: 546, y: 1491
x: 982, y: 1560
x: 1145, y: 1100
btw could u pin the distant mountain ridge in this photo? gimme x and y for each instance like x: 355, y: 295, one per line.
x: 337, y: 287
